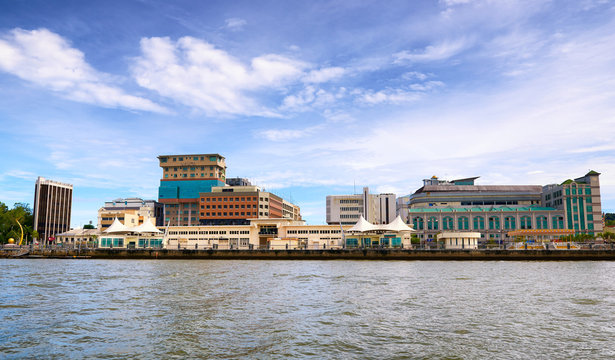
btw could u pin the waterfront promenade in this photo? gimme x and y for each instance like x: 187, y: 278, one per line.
x: 342, y: 254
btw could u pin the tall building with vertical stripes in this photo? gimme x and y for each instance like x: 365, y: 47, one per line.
x: 53, y: 201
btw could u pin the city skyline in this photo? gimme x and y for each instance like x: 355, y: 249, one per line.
x: 305, y: 99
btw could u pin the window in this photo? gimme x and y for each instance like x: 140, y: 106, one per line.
x: 526, y: 222
x: 541, y: 222
x: 418, y: 223
x: 509, y: 223
x: 432, y: 223
x: 479, y: 223
x: 494, y: 223
x: 463, y: 223
x: 447, y: 223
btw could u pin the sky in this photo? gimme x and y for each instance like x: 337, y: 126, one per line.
x: 305, y: 98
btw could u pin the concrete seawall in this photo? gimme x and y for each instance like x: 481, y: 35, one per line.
x: 354, y: 254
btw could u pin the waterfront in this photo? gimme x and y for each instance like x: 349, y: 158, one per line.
x: 52, y: 308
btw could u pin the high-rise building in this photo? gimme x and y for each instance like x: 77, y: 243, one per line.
x: 375, y: 208
x: 52, y: 207
x: 130, y: 212
x: 184, y: 177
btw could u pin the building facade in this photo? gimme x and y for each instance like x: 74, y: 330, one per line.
x: 347, y: 209
x: 496, y: 210
x: 184, y: 178
x: 234, y: 205
x: 131, y: 212
x: 52, y: 207
x: 579, y: 199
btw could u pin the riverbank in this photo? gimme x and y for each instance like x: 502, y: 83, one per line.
x: 346, y: 254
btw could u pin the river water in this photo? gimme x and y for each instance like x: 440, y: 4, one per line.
x: 306, y: 309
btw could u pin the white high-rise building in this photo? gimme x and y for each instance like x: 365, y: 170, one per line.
x: 375, y: 208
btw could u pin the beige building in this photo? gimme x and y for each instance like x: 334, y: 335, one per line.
x: 258, y: 234
x: 459, y: 240
x: 131, y: 212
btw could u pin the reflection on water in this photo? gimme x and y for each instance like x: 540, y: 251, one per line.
x: 298, y: 309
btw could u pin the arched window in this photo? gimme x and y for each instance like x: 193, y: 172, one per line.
x: 479, y: 223
x: 418, y: 223
x: 494, y: 223
x: 447, y: 223
x: 541, y: 222
x: 558, y: 222
x: 432, y: 223
x: 463, y: 223
x: 526, y: 222
x: 509, y: 223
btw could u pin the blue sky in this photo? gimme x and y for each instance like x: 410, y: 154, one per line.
x: 305, y: 98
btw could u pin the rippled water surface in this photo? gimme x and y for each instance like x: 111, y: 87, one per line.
x: 306, y: 309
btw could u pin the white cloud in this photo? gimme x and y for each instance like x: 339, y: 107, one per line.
x: 47, y: 60
x: 235, y: 24
x: 285, y: 135
x: 437, y: 52
x: 414, y: 75
x: 197, y: 74
x: 324, y: 75
x: 387, y: 96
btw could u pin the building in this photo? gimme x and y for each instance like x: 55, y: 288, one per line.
x: 496, y: 210
x: 347, y: 209
x: 238, y: 182
x: 184, y: 178
x: 52, y: 207
x: 258, y: 234
x: 579, y: 199
x: 234, y: 205
x: 459, y: 240
x: 79, y: 238
x: 131, y: 212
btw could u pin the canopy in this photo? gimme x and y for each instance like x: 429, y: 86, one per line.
x: 362, y: 226
x: 146, y: 227
x: 117, y: 227
x: 396, y: 225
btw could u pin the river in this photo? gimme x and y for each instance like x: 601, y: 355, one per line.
x: 117, y: 309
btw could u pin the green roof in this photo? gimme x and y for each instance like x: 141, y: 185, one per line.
x: 481, y: 209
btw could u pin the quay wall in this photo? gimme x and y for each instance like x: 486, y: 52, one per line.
x: 346, y: 254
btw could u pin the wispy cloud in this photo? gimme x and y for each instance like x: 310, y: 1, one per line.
x: 48, y: 60
x: 235, y: 24
x: 436, y: 52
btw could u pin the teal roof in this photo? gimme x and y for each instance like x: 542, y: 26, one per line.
x: 481, y: 209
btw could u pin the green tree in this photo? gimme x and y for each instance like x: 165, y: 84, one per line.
x: 8, y: 222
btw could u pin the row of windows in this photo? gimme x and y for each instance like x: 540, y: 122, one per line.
x: 351, y: 209
x: 195, y: 158
x: 185, y: 168
x: 478, y: 223
x: 243, y: 206
x: 351, y: 201
x: 249, y: 198
x: 191, y: 175
x: 237, y: 213
x: 349, y: 216
x: 208, y: 232
x: 313, y: 231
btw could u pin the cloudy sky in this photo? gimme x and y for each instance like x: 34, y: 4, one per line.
x: 305, y: 98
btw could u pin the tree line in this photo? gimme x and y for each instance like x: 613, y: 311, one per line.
x: 8, y: 224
